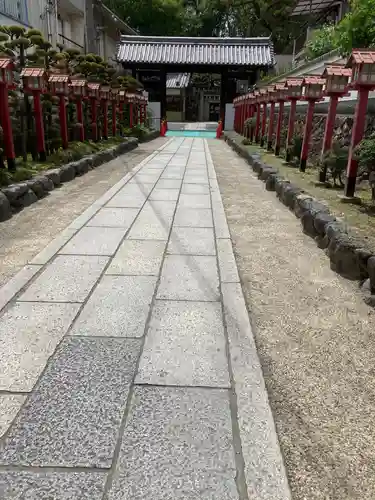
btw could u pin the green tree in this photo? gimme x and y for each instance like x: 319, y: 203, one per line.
x: 156, y: 17
x: 357, y: 28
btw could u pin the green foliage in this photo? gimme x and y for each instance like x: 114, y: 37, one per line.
x: 357, y: 28
x: 296, y: 146
x: 336, y: 161
x: 22, y: 174
x: 365, y: 153
x: 322, y: 41
x: 5, y: 177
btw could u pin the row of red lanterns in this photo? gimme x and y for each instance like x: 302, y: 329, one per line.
x: 36, y: 81
x: 335, y: 82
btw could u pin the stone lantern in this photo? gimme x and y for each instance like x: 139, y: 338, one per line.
x: 6, y: 84
x: 78, y: 89
x: 35, y: 83
x: 93, y: 93
x: 59, y: 85
x: 281, y: 97
x: 313, y: 87
x: 293, y: 88
x: 337, y: 80
x: 362, y: 64
x: 272, y: 100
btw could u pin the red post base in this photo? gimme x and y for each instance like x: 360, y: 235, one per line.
x: 264, y: 122
x: 94, y: 126
x: 257, y: 124
x: 105, y: 118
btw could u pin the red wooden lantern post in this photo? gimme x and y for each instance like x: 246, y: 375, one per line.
x: 243, y: 114
x: 104, y: 94
x: 294, y: 94
x: 281, y: 98
x: 59, y: 85
x: 7, y: 83
x: 337, y: 80
x: 313, y: 86
x: 114, y: 95
x: 252, y: 111
x: 362, y: 63
x: 34, y: 82
x: 79, y: 90
x: 131, y: 99
x: 121, y: 100
x: 271, y: 98
x: 93, y: 90
x: 264, y: 101
x: 257, y: 98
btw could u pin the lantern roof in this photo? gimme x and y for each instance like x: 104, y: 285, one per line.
x: 361, y: 56
x: 58, y: 78
x: 6, y: 63
x: 337, y: 70
x: 313, y: 80
x: 38, y: 72
x: 93, y: 86
x: 78, y: 83
x: 293, y: 82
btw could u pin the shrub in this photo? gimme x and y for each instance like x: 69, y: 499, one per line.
x: 336, y: 161
x: 322, y: 41
x: 365, y: 153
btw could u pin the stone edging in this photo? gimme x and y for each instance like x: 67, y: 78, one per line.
x: 348, y: 254
x: 21, y: 195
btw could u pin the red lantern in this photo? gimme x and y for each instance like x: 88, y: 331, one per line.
x: 362, y: 64
x: 93, y: 93
x: 78, y: 89
x: 59, y: 85
x: 293, y: 87
x: 7, y: 83
x: 35, y: 83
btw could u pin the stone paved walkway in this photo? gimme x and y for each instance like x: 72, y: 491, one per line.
x: 128, y: 365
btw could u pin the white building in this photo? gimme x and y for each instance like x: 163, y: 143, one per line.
x: 85, y: 24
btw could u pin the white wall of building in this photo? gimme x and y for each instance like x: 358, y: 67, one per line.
x: 154, y: 108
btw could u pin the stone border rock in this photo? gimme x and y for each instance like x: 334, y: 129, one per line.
x: 348, y: 254
x: 17, y: 196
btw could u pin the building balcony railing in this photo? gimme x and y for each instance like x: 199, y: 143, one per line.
x: 15, y: 9
x: 68, y: 43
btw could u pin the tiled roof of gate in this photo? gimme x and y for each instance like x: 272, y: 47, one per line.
x: 189, y: 50
x: 178, y: 80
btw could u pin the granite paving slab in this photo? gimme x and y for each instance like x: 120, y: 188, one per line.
x: 227, y: 262
x: 192, y: 241
x: 29, y: 334
x: 185, y: 345
x: 22, y: 485
x: 193, y: 217
x: 10, y: 405
x: 95, y: 241
x: 169, y: 184
x: 154, y: 221
x: 114, y: 217
x: 188, y: 277
x: 138, y: 257
x: 73, y: 416
x: 118, y: 307
x: 165, y: 194
x: 131, y: 196
x: 194, y: 201
x: 69, y: 278
x: 177, y: 444
x: 194, y: 188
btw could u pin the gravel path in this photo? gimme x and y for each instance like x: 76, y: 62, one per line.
x: 29, y: 231
x: 315, y: 338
